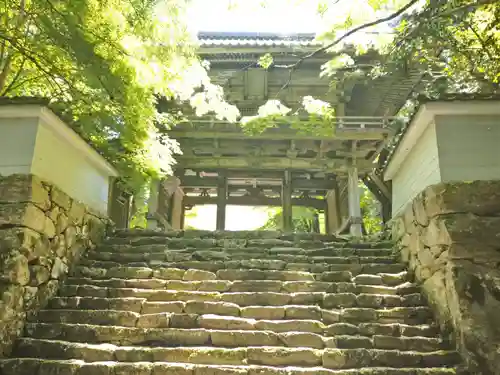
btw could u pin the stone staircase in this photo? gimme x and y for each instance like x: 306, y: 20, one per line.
x: 262, y: 303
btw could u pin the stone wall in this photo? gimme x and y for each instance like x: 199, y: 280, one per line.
x: 450, y: 238
x: 43, y: 232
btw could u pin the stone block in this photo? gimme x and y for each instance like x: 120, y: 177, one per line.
x: 14, y: 269
x: 24, y: 188
x: 263, y: 312
x: 302, y: 339
x: 477, y: 197
x: 161, y: 320
x: 195, y: 275
x: 23, y: 215
x: 284, y: 357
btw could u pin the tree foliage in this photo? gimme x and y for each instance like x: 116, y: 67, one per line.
x: 455, y: 43
x: 104, y: 64
x: 370, y: 210
x: 302, y: 219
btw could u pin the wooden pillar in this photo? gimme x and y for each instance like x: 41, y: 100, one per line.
x: 315, y: 223
x: 177, y: 210
x: 354, y: 202
x: 183, y: 217
x: 327, y: 225
x: 151, y: 216
x: 332, y: 212
x: 221, y: 202
x: 286, y: 202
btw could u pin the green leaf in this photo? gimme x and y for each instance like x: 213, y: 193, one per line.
x: 377, y: 4
x: 266, y: 61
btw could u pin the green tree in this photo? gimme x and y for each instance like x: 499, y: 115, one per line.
x: 370, y: 210
x: 456, y: 43
x: 302, y: 219
x: 104, y: 65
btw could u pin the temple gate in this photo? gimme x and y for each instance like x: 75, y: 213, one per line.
x: 223, y: 165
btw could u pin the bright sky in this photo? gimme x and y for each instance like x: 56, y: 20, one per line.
x: 237, y: 217
x: 277, y: 16
x: 284, y: 16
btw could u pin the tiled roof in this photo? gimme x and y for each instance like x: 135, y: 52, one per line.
x: 18, y: 100
x: 210, y: 39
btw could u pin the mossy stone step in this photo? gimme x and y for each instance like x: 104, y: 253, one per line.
x: 259, y: 355
x: 31, y: 366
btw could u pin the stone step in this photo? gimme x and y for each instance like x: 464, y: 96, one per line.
x: 260, y: 264
x: 262, y: 240
x: 327, y: 300
x: 253, y: 355
x: 199, y: 233
x: 31, y: 366
x: 261, y: 286
x: 350, y: 316
x: 193, y: 271
x: 314, y: 263
x: 119, y: 253
x: 240, y: 332
x: 312, y: 312
x: 347, y: 334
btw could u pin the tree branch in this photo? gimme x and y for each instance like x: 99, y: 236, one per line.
x: 348, y: 34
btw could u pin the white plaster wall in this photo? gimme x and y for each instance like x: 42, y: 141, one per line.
x: 419, y: 170
x: 469, y: 147
x: 17, y: 143
x: 67, y: 167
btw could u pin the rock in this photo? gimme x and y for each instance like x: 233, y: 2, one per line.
x: 154, y: 321
x: 22, y: 214
x: 339, y: 300
x: 284, y: 357
x: 39, y: 275
x: 244, y: 338
x: 58, y: 269
x: 169, y: 273
x: 225, y: 322
x: 303, y: 312
x: 419, y: 211
x: 60, y: 198
x: 76, y: 212
x: 59, y: 245
x: 263, y: 312
x: 62, y: 223
x: 193, y: 275
x: 184, y: 321
x: 70, y: 236
x: 15, y: 269
x: 477, y: 197
x: 49, y: 228
x: 302, y: 339
x: 23, y: 189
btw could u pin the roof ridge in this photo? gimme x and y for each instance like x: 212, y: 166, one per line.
x: 254, y: 35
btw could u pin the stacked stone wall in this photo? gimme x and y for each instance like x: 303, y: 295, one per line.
x: 450, y: 237
x: 43, y: 232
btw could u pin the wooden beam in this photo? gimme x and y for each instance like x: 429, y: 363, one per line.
x: 221, y: 202
x: 256, y: 201
x: 381, y: 185
x: 286, y: 202
x: 299, y: 184
x: 192, y: 148
x: 340, y: 135
x: 270, y: 163
x: 384, y: 202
